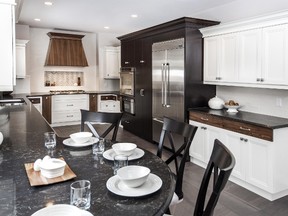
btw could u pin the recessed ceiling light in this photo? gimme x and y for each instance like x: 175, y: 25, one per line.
x: 134, y: 15
x: 37, y: 19
x: 48, y: 3
x: 107, y: 27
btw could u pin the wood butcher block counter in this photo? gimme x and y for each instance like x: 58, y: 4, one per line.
x: 258, y: 142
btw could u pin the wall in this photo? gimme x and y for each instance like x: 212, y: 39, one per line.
x: 272, y: 102
x: 36, y: 54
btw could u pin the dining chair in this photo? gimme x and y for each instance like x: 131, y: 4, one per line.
x: 91, y: 118
x: 170, y: 129
x: 221, y: 164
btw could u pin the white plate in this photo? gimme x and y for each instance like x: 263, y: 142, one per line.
x: 110, y: 153
x: 116, y: 186
x: 70, y: 142
x: 60, y: 210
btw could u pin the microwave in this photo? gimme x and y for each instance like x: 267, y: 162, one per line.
x: 127, y: 81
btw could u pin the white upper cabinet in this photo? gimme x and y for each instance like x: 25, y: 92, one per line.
x: 112, y: 62
x: 252, y: 53
x: 21, y: 58
x: 7, y: 44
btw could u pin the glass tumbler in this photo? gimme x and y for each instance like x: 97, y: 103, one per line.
x: 50, y: 140
x: 80, y: 194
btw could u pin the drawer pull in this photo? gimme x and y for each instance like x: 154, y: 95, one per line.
x: 204, y: 128
x: 69, y: 105
x: 245, y: 129
x: 243, y: 139
x: 204, y: 119
x: 69, y: 116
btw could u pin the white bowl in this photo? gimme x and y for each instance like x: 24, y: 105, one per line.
x: 232, y: 109
x: 81, y: 137
x: 133, y: 176
x: 52, y: 168
x: 126, y: 149
x: 216, y: 103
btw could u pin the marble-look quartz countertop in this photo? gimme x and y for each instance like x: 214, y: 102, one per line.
x: 23, y: 128
x: 246, y: 117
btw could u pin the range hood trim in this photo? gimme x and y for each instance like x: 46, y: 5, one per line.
x: 65, y: 50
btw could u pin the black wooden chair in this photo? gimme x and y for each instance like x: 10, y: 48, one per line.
x: 221, y: 164
x: 89, y: 118
x: 169, y: 130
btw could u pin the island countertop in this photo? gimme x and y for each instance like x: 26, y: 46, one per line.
x: 23, y: 128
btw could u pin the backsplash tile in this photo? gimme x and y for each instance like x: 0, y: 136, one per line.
x: 63, y: 78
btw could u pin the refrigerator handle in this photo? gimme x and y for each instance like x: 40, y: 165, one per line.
x: 167, y: 103
x: 162, y: 84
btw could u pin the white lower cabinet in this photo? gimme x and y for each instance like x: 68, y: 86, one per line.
x: 66, y: 108
x: 261, y: 166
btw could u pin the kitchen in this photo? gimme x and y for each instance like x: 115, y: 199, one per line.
x: 256, y: 100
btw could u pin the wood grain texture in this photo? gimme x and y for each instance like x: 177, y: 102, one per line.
x: 36, y: 179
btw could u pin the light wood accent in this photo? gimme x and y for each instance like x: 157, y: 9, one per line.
x: 65, y: 50
x: 264, y: 133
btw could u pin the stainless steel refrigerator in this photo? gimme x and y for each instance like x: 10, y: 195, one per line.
x: 167, y: 84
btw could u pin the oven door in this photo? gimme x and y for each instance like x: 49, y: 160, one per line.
x: 128, y: 105
x: 127, y: 81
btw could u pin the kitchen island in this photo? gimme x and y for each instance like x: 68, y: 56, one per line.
x: 258, y: 142
x: 23, y: 128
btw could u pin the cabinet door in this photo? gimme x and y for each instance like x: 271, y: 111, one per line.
x: 127, y: 53
x: 46, y: 108
x: 7, y: 44
x: 250, y: 56
x: 93, y: 102
x: 112, y: 62
x: 21, y: 58
x: 197, y: 149
x: 211, y: 59
x: 275, y: 54
x: 260, y: 164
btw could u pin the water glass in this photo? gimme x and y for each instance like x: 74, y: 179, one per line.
x: 80, y: 194
x: 120, y: 161
x: 50, y: 140
x: 99, y: 147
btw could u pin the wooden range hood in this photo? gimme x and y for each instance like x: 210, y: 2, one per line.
x: 65, y: 50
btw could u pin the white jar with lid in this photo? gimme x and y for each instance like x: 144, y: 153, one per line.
x: 216, y: 103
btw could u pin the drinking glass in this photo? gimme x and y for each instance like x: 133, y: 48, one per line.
x: 80, y: 194
x: 120, y: 161
x: 50, y: 140
x: 99, y: 147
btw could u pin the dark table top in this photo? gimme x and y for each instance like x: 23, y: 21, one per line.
x: 246, y: 117
x: 23, y: 128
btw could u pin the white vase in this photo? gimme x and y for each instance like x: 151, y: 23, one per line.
x: 216, y: 103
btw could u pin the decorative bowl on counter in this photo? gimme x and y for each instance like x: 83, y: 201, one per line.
x: 81, y: 137
x: 231, y: 108
x: 133, y: 176
x: 52, y: 168
x: 216, y: 103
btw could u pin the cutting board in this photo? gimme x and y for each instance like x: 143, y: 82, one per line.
x: 36, y: 179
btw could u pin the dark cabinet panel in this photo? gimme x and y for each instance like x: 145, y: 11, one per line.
x: 93, y: 102
x: 46, y: 108
x: 128, y: 53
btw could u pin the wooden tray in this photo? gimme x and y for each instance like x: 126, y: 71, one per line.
x: 36, y: 179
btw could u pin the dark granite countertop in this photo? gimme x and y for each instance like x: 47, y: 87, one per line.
x: 86, y: 92
x: 246, y: 117
x: 23, y: 128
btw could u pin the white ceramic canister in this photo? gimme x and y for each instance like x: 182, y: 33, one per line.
x: 216, y: 103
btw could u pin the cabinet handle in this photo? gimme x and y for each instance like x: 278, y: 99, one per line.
x: 243, y: 139
x: 69, y: 116
x: 69, y: 105
x: 127, y: 122
x: 218, y: 78
x: 262, y: 80
x: 142, y: 61
x: 126, y: 62
x: 204, y: 128
x: 245, y: 129
x: 142, y: 92
x: 204, y: 119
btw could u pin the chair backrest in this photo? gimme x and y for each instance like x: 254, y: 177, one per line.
x: 222, y: 163
x: 185, y: 130
x: 90, y: 117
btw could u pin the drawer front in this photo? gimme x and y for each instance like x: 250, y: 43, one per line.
x: 58, y: 117
x: 206, y: 119
x: 249, y: 129
x: 69, y: 106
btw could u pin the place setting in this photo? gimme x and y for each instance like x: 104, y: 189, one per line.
x: 80, y: 139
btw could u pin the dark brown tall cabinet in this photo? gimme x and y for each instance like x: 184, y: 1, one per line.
x: 136, y: 51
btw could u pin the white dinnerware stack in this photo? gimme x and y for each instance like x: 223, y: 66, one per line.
x: 81, y: 137
x: 50, y: 167
x: 133, y: 176
x: 126, y: 149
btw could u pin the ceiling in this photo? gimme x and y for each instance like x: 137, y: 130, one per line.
x: 94, y: 15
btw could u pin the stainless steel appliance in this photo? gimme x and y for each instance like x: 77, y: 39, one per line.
x: 128, y: 105
x: 127, y: 81
x: 167, y: 83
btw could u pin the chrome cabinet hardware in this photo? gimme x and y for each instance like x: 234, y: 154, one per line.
x: 204, y: 128
x: 243, y: 139
x: 245, y: 129
x: 204, y: 119
x: 142, y: 92
x: 126, y: 62
x: 142, y: 61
